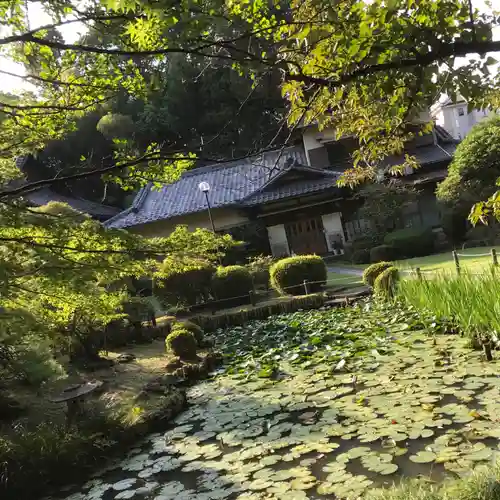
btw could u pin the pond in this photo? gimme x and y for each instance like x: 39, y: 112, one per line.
x: 316, y: 404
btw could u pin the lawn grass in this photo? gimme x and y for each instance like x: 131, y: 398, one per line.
x: 444, y: 261
x: 440, y: 261
x: 342, y: 280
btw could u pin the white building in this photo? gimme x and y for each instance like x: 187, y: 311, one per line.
x: 454, y: 117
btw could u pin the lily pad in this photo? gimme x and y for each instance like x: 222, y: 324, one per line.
x: 423, y: 457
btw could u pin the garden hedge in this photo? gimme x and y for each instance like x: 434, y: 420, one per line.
x: 191, y: 327
x: 288, y: 275
x: 360, y: 256
x: 385, y: 283
x: 232, y: 282
x: 371, y: 273
x: 186, y: 287
x: 182, y: 343
x: 259, y: 269
x: 235, y: 318
x: 382, y: 253
x: 411, y: 242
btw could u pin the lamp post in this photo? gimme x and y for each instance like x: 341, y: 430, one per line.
x: 204, y: 187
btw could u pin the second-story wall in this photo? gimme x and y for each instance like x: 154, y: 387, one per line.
x: 455, y: 119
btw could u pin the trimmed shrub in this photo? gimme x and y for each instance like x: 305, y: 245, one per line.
x: 360, y: 257
x: 185, y: 287
x: 191, y: 327
x: 365, y: 241
x: 411, y: 242
x: 288, y: 275
x: 182, y: 343
x: 243, y: 316
x: 371, y: 272
x: 232, y: 281
x: 484, y: 235
x: 385, y: 283
x: 259, y: 269
x: 381, y: 253
x: 138, y: 309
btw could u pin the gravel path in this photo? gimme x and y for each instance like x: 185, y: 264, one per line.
x: 346, y: 270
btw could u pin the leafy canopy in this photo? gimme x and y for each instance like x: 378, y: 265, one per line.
x: 473, y: 173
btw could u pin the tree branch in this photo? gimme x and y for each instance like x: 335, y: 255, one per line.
x: 456, y: 49
x: 30, y: 242
x: 28, y: 35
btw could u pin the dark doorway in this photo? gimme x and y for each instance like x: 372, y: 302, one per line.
x: 306, y: 236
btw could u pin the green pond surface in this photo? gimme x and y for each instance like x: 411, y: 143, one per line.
x: 321, y: 404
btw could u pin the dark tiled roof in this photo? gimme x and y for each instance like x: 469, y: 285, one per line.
x: 246, y: 183
x: 231, y: 183
x: 293, y: 189
x: 425, y: 155
x: 45, y: 195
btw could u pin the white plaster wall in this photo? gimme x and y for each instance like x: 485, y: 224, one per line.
x: 456, y: 125
x: 277, y: 239
x: 333, y: 225
x: 312, y: 137
x: 223, y: 219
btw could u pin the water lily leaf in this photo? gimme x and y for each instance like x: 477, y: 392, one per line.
x: 480, y: 454
x: 303, y: 483
x: 125, y: 484
x: 358, y: 452
x: 125, y: 495
x: 423, y: 457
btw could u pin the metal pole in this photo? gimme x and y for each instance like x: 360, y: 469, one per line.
x: 457, y: 262
x: 210, y: 212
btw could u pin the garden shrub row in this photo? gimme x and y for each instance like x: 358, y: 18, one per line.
x: 236, y: 318
x: 384, y: 285
x: 411, y: 242
x: 232, y: 285
x: 288, y: 275
x: 201, y: 282
x: 400, y: 244
x: 371, y: 273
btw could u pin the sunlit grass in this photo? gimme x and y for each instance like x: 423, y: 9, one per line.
x: 469, y: 299
x: 482, y: 484
x: 471, y: 259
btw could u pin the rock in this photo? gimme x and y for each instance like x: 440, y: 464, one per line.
x: 173, y: 364
x: 125, y: 358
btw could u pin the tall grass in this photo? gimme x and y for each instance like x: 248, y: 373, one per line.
x: 469, y: 300
x: 482, y: 484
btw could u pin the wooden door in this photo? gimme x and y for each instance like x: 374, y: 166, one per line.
x: 306, y: 236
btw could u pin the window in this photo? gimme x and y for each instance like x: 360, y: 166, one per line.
x: 461, y: 112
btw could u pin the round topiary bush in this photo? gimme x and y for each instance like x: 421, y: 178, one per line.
x: 371, y: 272
x: 288, y: 275
x: 411, y: 242
x: 385, y: 283
x: 182, y: 343
x: 191, y: 327
x: 360, y: 256
x: 382, y: 253
x: 184, y: 286
x: 232, y: 282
